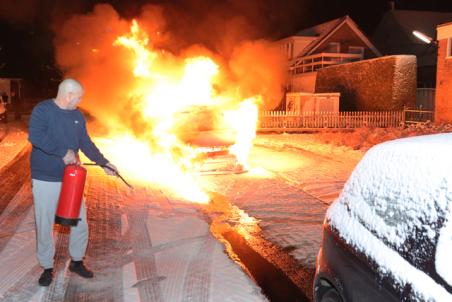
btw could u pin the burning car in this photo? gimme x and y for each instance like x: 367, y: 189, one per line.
x: 183, y: 118
x: 203, y: 129
x: 388, y: 236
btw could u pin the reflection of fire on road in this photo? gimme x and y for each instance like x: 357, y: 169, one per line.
x: 186, y: 123
x: 227, y: 217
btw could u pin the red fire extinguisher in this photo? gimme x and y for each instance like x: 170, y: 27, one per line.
x: 70, y: 201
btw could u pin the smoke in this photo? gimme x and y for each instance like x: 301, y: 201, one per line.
x: 217, y: 25
x: 84, y: 50
x: 19, y: 11
x: 39, y: 15
x: 260, y: 69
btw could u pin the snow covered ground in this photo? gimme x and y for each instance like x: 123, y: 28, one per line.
x: 145, y: 242
x: 286, y: 193
x: 360, y: 139
x: 143, y: 246
x: 13, y: 140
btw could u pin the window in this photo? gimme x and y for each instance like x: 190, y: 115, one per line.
x: 334, y: 47
x: 356, y: 50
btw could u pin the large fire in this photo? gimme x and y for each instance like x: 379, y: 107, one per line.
x: 182, y: 104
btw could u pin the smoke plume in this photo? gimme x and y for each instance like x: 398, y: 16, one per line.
x: 85, y: 50
x: 10, y: 11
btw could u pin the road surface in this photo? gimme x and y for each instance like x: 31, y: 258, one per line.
x: 146, y: 246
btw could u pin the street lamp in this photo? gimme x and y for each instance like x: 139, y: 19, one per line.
x: 423, y: 37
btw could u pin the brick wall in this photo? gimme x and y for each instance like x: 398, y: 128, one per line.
x: 387, y: 83
x: 443, y: 101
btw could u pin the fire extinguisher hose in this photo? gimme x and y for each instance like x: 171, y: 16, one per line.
x: 111, y: 169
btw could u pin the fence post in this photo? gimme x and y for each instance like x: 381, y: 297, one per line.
x: 404, y: 116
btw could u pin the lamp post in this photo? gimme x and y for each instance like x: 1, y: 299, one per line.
x: 424, y: 38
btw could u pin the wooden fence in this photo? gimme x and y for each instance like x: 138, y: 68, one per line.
x: 282, y: 120
x: 418, y: 116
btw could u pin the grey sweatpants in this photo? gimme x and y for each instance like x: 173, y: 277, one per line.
x: 45, y: 199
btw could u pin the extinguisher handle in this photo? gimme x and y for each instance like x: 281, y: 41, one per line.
x: 111, y: 169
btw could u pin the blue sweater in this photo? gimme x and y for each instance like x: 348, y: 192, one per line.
x: 52, y: 131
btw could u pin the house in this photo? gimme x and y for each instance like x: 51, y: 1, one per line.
x: 443, y: 106
x: 330, y: 43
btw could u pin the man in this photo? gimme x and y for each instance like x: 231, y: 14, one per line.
x: 57, y: 131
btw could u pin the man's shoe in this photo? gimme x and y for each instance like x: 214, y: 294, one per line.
x: 80, y: 269
x: 46, y: 277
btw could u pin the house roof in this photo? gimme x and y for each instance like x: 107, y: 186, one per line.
x: 444, y: 24
x: 444, y: 31
x: 319, y: 29
x: 325, y: 30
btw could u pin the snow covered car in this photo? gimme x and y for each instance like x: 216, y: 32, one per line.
x: 388, y: 237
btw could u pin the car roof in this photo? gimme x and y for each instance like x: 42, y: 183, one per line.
x: 429, y: 141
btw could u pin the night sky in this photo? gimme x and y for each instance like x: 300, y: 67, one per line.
x: 27, y: 26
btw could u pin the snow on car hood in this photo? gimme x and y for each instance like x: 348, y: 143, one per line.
x: 399, y: 186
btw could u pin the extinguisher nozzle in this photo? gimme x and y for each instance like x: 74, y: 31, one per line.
x: 111, y: 169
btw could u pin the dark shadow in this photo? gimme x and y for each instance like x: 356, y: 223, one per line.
x: 274, y: 283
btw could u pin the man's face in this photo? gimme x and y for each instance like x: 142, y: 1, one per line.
x: 73, y: 99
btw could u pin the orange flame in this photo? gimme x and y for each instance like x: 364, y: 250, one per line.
x: 177, y: 105
x: 137, y: 42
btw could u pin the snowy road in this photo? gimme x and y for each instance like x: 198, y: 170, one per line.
x: 146, y: 246
x: 288, y: 191
x: 143, y: 247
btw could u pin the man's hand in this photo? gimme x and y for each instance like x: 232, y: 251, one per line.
x: 112, y: 170
x: 69, y: 158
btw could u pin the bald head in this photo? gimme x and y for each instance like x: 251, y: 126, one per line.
x: 70, y: 93
x: 69, y: 86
